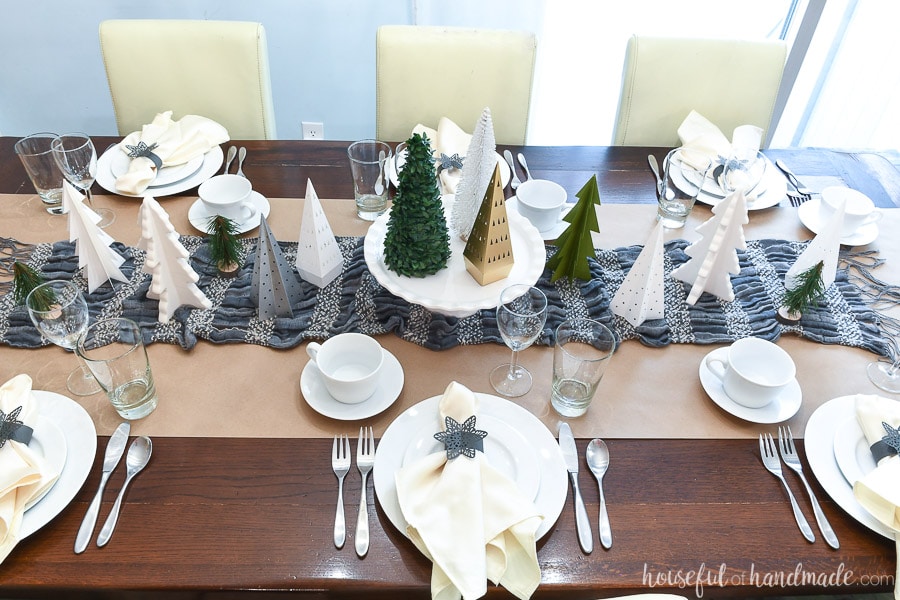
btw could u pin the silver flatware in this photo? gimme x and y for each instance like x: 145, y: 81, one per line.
x: 796, y: 198
x: 514, y: 180
x: 114, y: 449
x: 801, y: 189
x: 598, y: 461
x: 792, y: 460
x: 365, y: 460
x: 242, y: 154
x: 232, y: 152
x: 138, y: 456
x: 524, y: 164
x: 570, y: 455
x: 378, y: 188
x: 654, y: 166
x: 769, y: 454
x: 340, y: 463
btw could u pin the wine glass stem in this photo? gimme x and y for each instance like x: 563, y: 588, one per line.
x: 89, y: 197
x: 513, y: 365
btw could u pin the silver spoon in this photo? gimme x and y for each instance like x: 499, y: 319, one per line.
x: 242, y: 154
x: 598, y: 462
x: 137, y: 458
x: 654, y: 166
x: 231, y: 153
x: 525, y: 166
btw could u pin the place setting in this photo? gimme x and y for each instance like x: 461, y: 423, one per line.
x: 860, y: 217
x: 230, y: 196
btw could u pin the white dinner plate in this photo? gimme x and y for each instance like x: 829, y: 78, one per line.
x: 392, y: 448
x: 768, y: 193
x: 199, y: 216
x: 552, y: 233
x: 811, y: 217
x: 212, y: 160
x: 81, y: 446
x: 120, y: 163
x: 389, y: 386
x: 48, y: 442
x: 452, y: 290
x: 504, y: 448
x: 819, y: 443
x: 851, y: 451
x: 398, y: 161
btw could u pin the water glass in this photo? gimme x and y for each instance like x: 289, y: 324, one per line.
x: 113, y: 350
x: 369, y: 160
x: 581, y: 354
x: 37, y: 158
x: 682, y: 182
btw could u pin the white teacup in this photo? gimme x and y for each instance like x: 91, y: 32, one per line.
x: 540, y: 201
x: 753, y: 372
x: 228, y: 196
x: 350, y: 365
x: 859, y: 210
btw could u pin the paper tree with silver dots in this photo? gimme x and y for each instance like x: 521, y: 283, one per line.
x: 92, y: 245
x: 274, y: 287
x: 481, y: 160
x: 319, y: 259
x: 642, y: 293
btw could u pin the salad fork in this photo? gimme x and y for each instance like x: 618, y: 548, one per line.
x: 365, y: 460
x: 340, y: 462
x: 769, y: 454
x: 792, y: 460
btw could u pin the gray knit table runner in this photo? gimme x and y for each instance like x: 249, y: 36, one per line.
x: 355, y: 301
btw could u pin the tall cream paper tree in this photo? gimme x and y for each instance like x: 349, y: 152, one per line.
x: 319, y: 259
x: 92, y: 245
x: 478, y: 167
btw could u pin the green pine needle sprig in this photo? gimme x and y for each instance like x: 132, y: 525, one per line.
x: 26, y: 279
x: 224, y: 245
x: 809, y: 289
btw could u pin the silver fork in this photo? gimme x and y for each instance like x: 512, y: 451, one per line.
x: 340, y: 462
x: 804, y: 192
x: 770, y: 460
x: 365, y: 460
x: 792, y: 460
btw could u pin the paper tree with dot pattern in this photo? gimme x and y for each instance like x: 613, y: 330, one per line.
x: 825, y: 248
x: 642, y: 294
x: 481, y: 160
x: 173, y: 281
x: 319, y: 259
x: 714, y: 256
x: 92, y: 245
x: 274, y: 287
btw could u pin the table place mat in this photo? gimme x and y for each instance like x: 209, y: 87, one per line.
x: 355, y: 301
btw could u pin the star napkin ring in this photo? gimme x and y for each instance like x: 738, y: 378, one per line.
x: 461, y: 439
x: 888, y: 445
x: 143, y: 150
x: 13, y: 429
x: 450, y: 162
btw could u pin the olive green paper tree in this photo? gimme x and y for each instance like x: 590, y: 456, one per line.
x: 575, y: 244
x: 417, y: 243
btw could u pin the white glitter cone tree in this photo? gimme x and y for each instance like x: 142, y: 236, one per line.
x: 93, y: 246
x: 479, y: 164
x: 274, y: 288
x: 642, y: 293
x: 319, y: 259
x: 173, y: 280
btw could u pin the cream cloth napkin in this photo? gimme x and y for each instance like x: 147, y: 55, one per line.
x: 700, y: 138
x: 23, y: 474
x: 448, y: 139
x: 879, y: 491
x: 469, y: 519
x: 177, y: 142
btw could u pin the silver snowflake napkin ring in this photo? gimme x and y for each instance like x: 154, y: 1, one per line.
x: 461, y: 439
x: 13, y: 429
x: 143, y: 150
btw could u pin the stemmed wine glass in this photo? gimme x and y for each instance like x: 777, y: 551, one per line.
x: 885, y: 373
x: 521, y: 315
x: 60, y: 313
x: 77, y: 159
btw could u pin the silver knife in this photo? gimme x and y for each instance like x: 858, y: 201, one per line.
x: 114, y: 449
x: 570, y: 455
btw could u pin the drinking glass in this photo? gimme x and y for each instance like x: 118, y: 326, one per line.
x: 885, y: 372
x: 60, y: 313
x: 684, y: 174
x: 521, y: 315
x: 77, y: 159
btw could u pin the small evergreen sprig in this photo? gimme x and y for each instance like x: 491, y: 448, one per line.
x: 224, y: 245
x: 808, y: 290
x: 25, y: 279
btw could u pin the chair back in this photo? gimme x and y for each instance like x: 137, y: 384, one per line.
x: 215, y: 69
x: 425, y: 73
x: 730, y: 82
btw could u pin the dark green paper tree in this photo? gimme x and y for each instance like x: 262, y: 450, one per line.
x: 575, y: 244
x: 417, y: 243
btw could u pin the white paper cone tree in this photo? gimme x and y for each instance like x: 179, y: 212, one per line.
x: 92, y: 245
x: 825, y: 247
x: 274, y: 287
x: 642, y: 293
x: 714, y: 256
x: 173, y: 280
x: 319, y: 259
x: 479, y: 164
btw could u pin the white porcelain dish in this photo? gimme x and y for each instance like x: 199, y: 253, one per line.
x: 212, y: 160
x: 198, y: 215
x: 316, y: 395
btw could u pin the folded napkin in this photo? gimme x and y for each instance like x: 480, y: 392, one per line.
x: 879, y: 491
x: 448, y: 139
x: 701, y: 139
x: 469, y: 519
x: 176, y: 142
x: 23, y: 474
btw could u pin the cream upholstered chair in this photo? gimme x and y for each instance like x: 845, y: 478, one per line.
x: 215, y: 69
x: 425, y: 73
x: 730, y: 82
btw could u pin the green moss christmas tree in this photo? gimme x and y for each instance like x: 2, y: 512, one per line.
x: 417, y: 243
x: 575, y: 244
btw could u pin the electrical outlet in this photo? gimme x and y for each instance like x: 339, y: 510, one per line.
x: 313, y: 131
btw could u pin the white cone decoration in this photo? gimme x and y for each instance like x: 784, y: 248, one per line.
x: 714, y: 257
x: 173, y: 280
x: 478, y: 166
x: 642, y: 294
x: 824, y: 247
x: 319, y: 259
x: 274, y: 287
x: 92, y: 245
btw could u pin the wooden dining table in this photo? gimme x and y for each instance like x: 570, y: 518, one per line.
x: 239, y: 497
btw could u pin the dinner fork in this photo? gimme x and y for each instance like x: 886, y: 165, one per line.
x: 804, y: 192
x: 770, y: 460
x: 340, y: 462
x: 365, y: 460
x: 792, y: 460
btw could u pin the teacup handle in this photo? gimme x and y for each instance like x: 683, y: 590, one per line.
x: 313, y: 350
x: 716, y: 366
x: 248, y: 210
x: 872, y: 217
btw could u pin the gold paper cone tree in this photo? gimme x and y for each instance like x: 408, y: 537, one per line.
x: 488, y: 253
x: 575, y: 244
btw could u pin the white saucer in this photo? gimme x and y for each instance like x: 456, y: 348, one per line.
x: 318, y: 398
x: 555, y: 231
x: 198, y: 215
x: 785, y: 405
x: 812, y: 219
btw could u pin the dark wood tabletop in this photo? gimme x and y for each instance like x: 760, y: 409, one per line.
x: 239, y: 517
